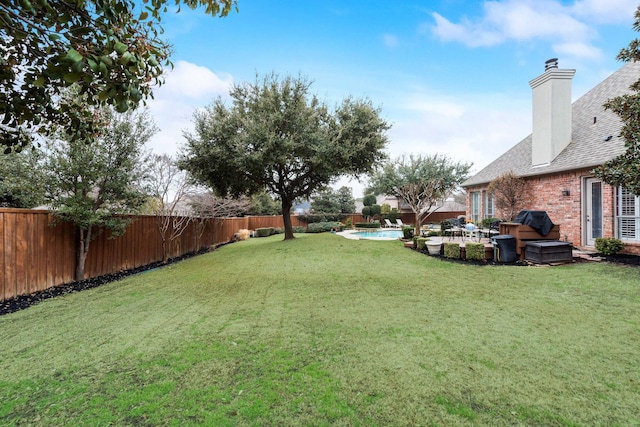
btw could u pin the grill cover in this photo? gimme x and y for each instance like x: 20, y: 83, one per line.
x: 538, y: 220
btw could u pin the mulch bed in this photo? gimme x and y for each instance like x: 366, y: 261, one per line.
x: 623, y: 259
x: 25, y: 301
x: 626, y: 259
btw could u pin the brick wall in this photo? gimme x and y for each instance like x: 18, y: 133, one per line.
x: 546, y: 193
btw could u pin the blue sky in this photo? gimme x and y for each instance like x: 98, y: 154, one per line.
x: 451, y: 76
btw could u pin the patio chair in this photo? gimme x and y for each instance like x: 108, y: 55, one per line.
x: 400, y: 224
x: 471, y: 232
x: 390, y: 224
x: 451, y: 228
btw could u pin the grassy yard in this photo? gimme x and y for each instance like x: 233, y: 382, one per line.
x: 328, y: 331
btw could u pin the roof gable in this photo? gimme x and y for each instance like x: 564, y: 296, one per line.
x: 588, y: 147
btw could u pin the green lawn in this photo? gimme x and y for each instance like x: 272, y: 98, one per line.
x: 328, y: 331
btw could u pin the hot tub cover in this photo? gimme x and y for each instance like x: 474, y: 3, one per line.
x: 538, y: 220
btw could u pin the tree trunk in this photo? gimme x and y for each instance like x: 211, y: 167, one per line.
x: 165, y: 251
x: 82, y: 248
x: 286, y: 218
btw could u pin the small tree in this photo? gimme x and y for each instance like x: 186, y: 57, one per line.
x: 21, y: 179
x: 624, y: 170
x: 275, y: 137
x: 206, y: 206
x: 371, y: 208
x: 509, y: 193
x: 168, y: 188
x: 94, y: 186
x: 420, y: 181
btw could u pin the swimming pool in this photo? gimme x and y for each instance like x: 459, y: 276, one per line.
x: 379, y: 234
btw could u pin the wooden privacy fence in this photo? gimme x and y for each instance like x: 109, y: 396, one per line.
x: 35, y: 255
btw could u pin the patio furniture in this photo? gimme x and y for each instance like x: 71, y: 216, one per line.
x: 390, y: 224
x: 524, y: 233
x: 471, y: 232
x: 400, y: 224
x: 549, y: 251
x: 452, y: 232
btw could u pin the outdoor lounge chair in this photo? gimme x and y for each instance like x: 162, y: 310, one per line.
x: 390, y: 224
x: 400, y: 224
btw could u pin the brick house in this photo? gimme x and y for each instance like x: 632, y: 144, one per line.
x: 567, y: 142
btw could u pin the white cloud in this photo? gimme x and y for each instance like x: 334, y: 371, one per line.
x: 474, y: 128
x: 195, y: 81
x: 472, y: 35
x: 580, y: 50
x: 525, y: 20
x: 390, y: 40
x: 470, y: 130
x: 606, y: 11
x: 187, y: 87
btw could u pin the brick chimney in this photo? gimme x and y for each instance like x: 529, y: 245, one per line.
x: 551, y: 113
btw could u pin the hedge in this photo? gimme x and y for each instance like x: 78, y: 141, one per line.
x: 264, y: 231
x: 420, y: 243
x: 321, y: 227
x: 474, y: 251
x: 452, y: 250
x: 367, y: 224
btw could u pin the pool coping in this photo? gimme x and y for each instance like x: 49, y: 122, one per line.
x: 348, y: 234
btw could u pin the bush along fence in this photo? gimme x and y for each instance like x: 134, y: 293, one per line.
x: 35, y: 256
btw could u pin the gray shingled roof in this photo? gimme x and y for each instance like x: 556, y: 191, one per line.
x: 587, y: 148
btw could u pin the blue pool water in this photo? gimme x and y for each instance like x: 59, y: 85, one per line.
x: 379, y: 234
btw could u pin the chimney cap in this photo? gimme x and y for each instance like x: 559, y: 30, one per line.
x: 551, y: 63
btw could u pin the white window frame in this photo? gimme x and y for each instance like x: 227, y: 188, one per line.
x: 489, y: 210
x: 627, y: 215
x: 475, y: 206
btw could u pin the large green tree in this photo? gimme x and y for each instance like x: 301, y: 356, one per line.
x: 419, y: 180
x: 276, y: 136
x: 21, y: 180
x: 110, y: 49
x: 94, y: 186
x: 328, y: 200
x: 345, y: 198
x: 624, y: 170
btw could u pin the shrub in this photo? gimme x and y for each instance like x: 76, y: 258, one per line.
x: 486, y: 222
x: 321, y: 217
x: 474, y: 251
x: 278, y: 230
x: 420, y: 243
x: 322, y: 227
x: 608, y: 245
x: 452, y: 250
x: 432, y: 233
x: 299, y: 229
x: 375, y: 224
x: 242, y: 234
x: 415, y: 242
x: 407, y: 232
x: 264, y: 232
x: 347, y: 223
